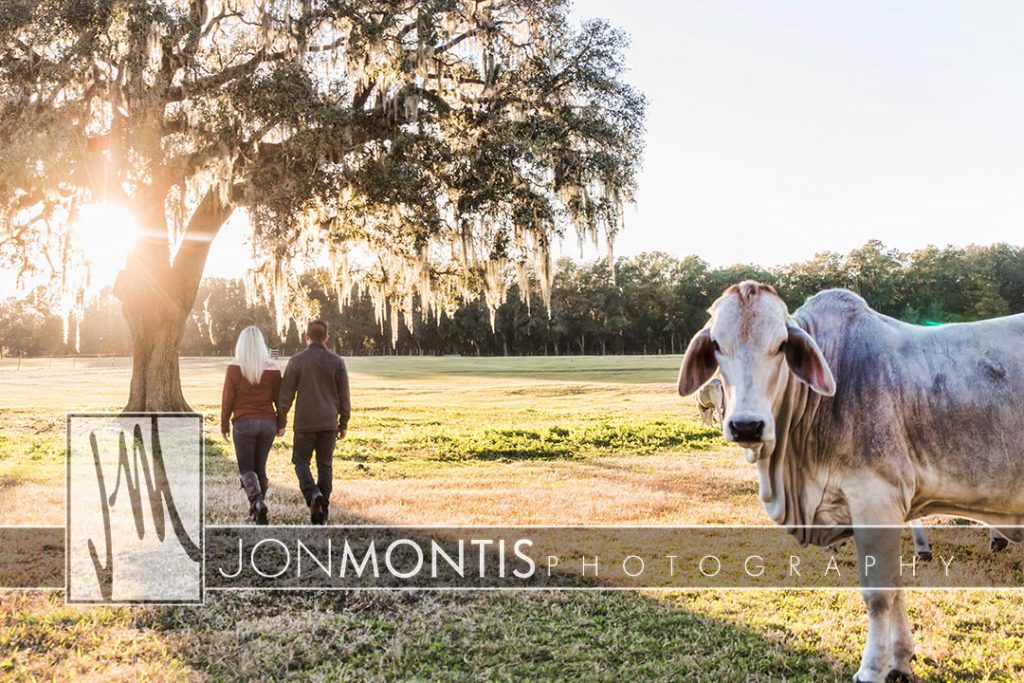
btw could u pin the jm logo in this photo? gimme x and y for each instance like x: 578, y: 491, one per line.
x: 135, y: 508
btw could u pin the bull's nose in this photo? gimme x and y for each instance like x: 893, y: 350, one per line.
x: 746, y: 431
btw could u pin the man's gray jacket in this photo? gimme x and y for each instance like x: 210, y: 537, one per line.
x: 320, y: 379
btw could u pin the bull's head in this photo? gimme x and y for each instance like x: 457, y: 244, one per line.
x: 755, y: 344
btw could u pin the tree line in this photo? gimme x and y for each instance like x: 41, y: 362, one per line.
x: 651, y: 303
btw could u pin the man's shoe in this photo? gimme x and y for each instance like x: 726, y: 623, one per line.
x: 316, y: 510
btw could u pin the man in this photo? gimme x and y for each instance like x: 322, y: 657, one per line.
x: 322, y: 412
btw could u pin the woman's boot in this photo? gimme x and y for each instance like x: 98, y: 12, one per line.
x: 257, y: 508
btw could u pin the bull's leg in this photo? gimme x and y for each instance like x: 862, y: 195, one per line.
x: 902, y: 641
x: 922, y: 548
x: 878, y: 552
x: 878, y: 516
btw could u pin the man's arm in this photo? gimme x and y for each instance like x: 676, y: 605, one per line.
x: 344, y: 399
x: 286, y: 395
x: 275, y: 392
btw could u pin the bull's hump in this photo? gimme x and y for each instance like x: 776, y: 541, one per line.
x: 831, y: 312
x: 841, y: 301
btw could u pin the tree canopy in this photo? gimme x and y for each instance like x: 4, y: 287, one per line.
x: 421, y: 150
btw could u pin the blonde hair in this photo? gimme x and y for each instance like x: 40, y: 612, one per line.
x: 252, y: 354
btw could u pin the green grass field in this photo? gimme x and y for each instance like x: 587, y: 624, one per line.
x: 466, y: 441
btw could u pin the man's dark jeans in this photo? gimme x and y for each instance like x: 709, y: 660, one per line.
x: 253, y: 441
x: 304, y: 446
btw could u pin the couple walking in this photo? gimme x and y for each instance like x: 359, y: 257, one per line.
x: 256, y: 402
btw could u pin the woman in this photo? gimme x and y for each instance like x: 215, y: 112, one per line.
x: 250, y: 403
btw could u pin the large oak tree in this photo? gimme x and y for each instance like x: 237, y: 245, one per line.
x: 429, y: 149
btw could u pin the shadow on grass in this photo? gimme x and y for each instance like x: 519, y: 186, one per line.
x: 471, y: 636
x: 450, y: 635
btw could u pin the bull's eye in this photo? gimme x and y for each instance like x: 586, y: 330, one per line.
x: 782, y: 348
x: 715, y: 346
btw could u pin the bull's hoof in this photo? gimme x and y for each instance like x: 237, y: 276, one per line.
x: 999, y: 544
x: 925, y: 556
x: 898, y: 677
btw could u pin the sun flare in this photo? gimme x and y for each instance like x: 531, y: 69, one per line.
x: 105, y: 233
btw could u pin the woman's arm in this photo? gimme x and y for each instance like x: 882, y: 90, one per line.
x: 227, y: 402
x: 289, y: 383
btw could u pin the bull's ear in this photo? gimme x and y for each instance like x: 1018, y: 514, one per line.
x: 807, y: 362
x: 699, y: 363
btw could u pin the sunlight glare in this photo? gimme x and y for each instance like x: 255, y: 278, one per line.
x: 105, y: 233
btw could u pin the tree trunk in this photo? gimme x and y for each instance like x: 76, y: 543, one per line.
x: 156, y: 340
x: 154, y: 307
x: 156, y: 299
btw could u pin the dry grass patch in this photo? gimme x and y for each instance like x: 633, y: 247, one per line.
x: 42, y: 639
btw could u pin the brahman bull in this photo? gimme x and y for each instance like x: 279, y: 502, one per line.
x: 858, y: 423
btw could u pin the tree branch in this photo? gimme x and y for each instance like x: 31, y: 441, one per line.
x: 190, y: 260
x: 458, y: 39
x: 179, y: 92
x: 359, y: 101
x: 227, y: 74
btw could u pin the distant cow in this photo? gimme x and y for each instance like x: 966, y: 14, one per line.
x: 710, y: 400
x: 914, y: 421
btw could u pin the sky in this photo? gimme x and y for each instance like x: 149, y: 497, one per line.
x: 777, y: 130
